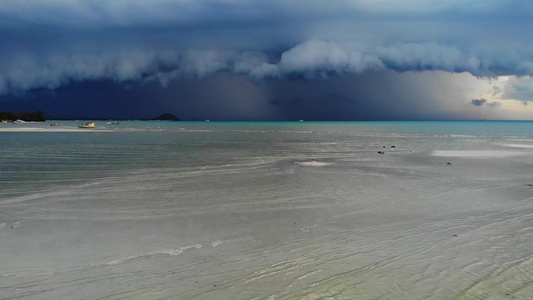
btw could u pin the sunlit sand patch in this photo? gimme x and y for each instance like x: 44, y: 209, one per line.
x: 524, y: 146
x: 22, y: 129
x: 477, y: 153
x: 313, y: 163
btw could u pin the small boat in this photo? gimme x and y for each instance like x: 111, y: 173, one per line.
x: 113, y: 123
x: 86, y: 125
x: 54, y: 124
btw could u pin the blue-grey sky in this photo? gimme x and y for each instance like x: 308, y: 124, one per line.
x: 269, y: 60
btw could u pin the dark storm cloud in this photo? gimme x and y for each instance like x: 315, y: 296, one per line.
x: 51, y: 43
x: 478, y: 102
x: 481, y: 102
x: 374, y: 95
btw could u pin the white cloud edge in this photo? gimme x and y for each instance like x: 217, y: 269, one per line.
x: 312, y: 59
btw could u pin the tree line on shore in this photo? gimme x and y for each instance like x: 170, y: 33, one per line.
x: 37, y: 116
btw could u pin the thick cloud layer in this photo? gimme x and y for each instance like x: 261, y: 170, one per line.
x: 50, y: 43
x: 313, y: 59
x: 53, y: 42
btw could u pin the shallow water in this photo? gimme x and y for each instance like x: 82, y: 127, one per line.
x: 281, y: 210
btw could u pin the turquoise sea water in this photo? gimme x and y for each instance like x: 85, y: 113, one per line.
x: 266, y: 210
x: 108, y: 149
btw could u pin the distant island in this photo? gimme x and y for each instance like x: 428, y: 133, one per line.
x: 167, y: 117
x: 11, y: 116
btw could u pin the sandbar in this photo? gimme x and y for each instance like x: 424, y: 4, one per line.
x: 38, y: 129
x: 477, y: 153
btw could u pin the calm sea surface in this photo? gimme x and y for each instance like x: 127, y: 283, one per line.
x: 31, y: 159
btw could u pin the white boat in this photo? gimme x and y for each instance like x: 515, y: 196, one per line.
x: 86, y: 125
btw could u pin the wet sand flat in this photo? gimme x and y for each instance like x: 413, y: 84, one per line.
x: 479, y: 153
x: 329, y: 224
